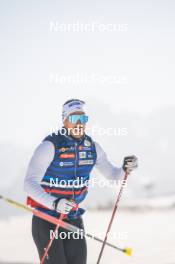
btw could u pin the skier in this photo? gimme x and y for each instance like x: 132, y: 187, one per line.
x: 61, y: 159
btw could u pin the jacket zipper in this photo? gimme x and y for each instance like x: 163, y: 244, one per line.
x: 75, y: 170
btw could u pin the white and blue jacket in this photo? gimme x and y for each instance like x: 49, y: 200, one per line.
x: 61, y: 167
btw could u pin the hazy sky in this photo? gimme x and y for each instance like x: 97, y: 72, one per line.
x: 142, y: 58
x: 126, y: 77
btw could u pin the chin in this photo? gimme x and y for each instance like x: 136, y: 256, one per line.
x: 77, y: 136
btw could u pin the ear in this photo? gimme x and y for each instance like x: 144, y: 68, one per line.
x: 65, y: 122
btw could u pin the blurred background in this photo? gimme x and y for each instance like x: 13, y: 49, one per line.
x: 119, y: 57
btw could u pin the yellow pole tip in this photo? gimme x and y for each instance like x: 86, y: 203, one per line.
x: 128, y: 251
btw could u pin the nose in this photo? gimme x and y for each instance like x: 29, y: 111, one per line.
x: 79, y: 122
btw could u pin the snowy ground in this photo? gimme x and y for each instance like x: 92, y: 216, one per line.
x: 151, y: 234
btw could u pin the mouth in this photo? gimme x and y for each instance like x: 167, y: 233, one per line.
x: 78, y: 131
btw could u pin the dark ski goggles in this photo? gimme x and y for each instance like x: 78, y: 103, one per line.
x: 75, y: 118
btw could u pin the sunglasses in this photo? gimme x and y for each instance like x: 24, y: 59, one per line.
x: 75, y: 118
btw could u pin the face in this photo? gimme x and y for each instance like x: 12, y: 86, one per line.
x: 76, y: 130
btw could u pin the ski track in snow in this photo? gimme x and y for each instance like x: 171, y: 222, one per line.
x: 151, y: 234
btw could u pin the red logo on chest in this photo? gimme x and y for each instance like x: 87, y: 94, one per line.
x: 67, y: 156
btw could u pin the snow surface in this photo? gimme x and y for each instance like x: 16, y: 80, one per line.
x: 151, y: 234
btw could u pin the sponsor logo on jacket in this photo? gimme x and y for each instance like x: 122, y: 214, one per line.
x: 86, y: 162
x: 67, y: 156
x: 66, y: 163
x: 66, y: 149
x: 90, y: 155
x: 82, y: 155
x: 87, y: 143
x: 84, y: 148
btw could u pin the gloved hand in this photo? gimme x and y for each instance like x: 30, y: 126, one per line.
x: 130, y: 163
x: 63, y: 206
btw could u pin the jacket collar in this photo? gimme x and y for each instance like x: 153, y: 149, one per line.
x: 70, y: 137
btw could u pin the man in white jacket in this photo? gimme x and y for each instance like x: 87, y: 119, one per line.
x: 61, y: 161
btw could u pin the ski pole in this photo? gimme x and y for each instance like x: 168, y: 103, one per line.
x: 62, y: 216
x: 112, y: 217
x: 51, y: 241
x: 63, y: 224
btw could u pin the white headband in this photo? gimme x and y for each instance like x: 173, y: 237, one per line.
x: 72, y: 107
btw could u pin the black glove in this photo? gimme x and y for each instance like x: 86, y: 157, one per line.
x: 130, y: 163
x: 63, y: 205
